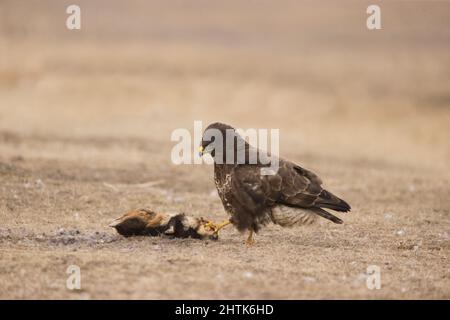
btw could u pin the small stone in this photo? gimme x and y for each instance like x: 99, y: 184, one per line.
x: 178, y: 199
x: 220, y: 276
x: 309, y: 279
x: 40, y: 184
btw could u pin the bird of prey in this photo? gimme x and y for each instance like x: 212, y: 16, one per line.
x: 291, y: 196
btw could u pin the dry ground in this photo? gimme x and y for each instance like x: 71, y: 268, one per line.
x: 85, y: 123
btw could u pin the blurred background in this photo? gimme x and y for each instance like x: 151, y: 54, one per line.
x: 85, y: 123
x: 143, y: 68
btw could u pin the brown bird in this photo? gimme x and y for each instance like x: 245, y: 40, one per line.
x: 291, y: 196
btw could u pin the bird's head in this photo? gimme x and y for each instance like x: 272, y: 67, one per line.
x: 216, y: 138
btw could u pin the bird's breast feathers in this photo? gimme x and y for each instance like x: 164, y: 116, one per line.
x: 224, y: 189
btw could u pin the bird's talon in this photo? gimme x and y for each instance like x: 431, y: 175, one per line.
x: 249, y: 243
x: 211, y: 225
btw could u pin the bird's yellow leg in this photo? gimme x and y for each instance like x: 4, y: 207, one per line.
x: 223, y: 224
x: 216, y: 227
x: 250, y: 241
x: 220, y: 226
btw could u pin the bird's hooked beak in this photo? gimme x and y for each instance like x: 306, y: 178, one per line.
x: 202, y: 151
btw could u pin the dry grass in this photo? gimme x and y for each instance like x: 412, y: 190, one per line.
x: 85, y: 117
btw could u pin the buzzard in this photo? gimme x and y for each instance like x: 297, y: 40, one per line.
x: 291, y: 196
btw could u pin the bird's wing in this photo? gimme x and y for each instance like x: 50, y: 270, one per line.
x: 253, y: 194
x: 300, y: 187
x: 252, y: 189
x: 303, y: 188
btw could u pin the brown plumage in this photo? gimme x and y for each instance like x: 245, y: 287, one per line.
x: 292, y: 196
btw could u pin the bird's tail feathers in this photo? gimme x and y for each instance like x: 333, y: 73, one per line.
x: 330, y: 201
x: 326, y: 215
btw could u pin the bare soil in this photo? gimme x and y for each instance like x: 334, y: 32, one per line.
x: 85, y: 124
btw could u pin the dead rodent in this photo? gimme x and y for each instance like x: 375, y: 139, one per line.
x: 150, y: 223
